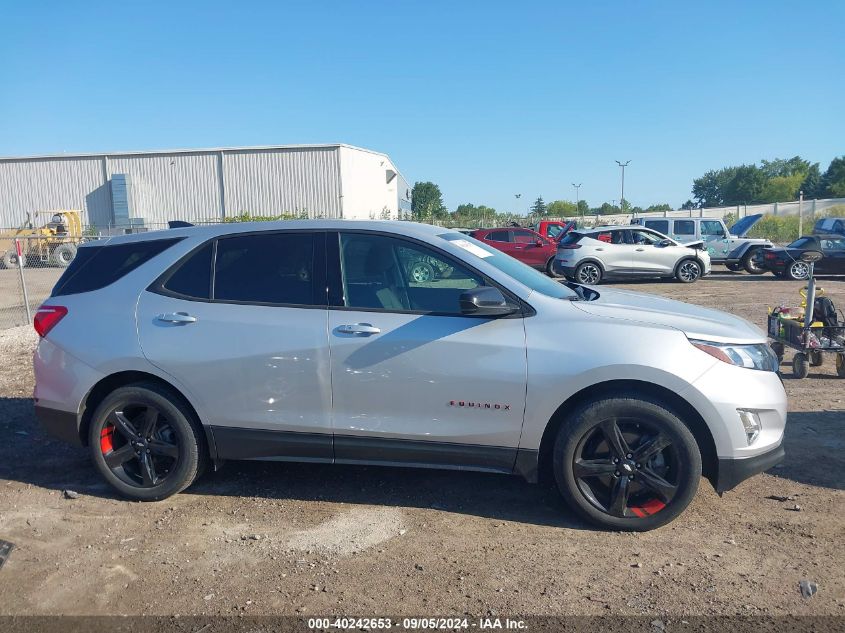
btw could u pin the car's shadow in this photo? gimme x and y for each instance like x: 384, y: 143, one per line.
x: 815, y: 448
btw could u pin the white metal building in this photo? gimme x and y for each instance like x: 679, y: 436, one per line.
x: 125, y: 189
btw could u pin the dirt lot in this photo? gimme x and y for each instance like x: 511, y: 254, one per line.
x: 272, y: 538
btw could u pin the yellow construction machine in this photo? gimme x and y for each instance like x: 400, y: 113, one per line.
x: 53, y: 244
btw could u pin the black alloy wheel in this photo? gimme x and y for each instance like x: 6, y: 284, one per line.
x: 627, y: 463
x: 144, y: 441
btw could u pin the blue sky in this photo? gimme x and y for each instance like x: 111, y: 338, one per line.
x: 487, y: 99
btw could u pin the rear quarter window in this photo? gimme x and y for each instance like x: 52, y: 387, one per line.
x: 96, y: 267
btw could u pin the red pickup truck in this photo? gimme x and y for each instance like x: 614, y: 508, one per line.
x: 553, y: 229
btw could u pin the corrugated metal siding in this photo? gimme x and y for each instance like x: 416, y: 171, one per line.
x: 171, y: 186
x: 273, y: 182
x: 59, y: 183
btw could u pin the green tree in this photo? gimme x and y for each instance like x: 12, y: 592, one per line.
x: 539, y: 207
x: 658, y: 207
x: 745, y: 186
x: 833, y: 181
x: 812, y: 182
x: 709, y: 190
x: 583, y: 207
x: 561, y: 209
x: 781, y: 188
x: 427, y: 202
x: 689, y: 204
x: 784, y: 167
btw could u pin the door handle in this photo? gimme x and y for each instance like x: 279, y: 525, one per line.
x: 640, y: 250
x: 363, y: 329
x: 599, y: 249
x: 176, y: 317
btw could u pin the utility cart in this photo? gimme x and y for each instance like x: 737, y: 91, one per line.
x: 809, y: 333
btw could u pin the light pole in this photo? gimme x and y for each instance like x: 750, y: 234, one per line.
x: 623, y: 166
x: 577, y: 200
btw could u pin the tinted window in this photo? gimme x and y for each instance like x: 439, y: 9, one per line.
x: 265, y: 268
x: 96, y: 267
x: 385, y: 273
x: 570, y: 238
x: 192, y: 276
x: 525, y: 237
x: 803, y: 242
x: 712, y: 227
x: 498, y: 236
x: 684, y: 227
x: 661, y: 226
x: 644, y: 237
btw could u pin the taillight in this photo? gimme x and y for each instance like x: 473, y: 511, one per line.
x: 769, y: 256
x: 47, y: 317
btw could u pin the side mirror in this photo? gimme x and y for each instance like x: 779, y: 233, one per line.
x: 485, y: 301
x: 538, y: 242
x: 811, y: 256
x: 663, y: 243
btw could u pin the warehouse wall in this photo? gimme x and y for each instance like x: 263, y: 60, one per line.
x: 290, y: 181
x: 202, y: 185
x: 366, y: 192
x: 29, y: 185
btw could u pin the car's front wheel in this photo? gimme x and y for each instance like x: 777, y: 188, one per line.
x: 145, y: 443
x: 626, y: 463
x: 588, y: 273
x: 688, y: 271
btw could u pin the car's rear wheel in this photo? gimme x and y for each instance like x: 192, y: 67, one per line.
x: 798, y: 271
x: 588, y: 273
x: 688, y: 271
x: 626, y: 463
x: 816, y: 358
x: 750, y: 265
x: 550, y: 269
x: 145, y: 443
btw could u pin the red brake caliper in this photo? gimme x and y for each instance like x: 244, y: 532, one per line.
x: 648, y: 508
x: 106, y: 436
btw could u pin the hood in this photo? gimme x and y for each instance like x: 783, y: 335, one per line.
x: 694, y: 321
x: 693, y: 244
x: 744, y: 225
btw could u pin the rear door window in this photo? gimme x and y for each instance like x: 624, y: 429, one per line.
x: 266, y: 268
x: 498, y: 236
x: 685, y: 228
x: 96, y: 267
x: 661, y: 226
x: 191, y: 278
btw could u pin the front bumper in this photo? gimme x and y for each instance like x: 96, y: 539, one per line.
x: 63, y: 425
x: 734, y: 471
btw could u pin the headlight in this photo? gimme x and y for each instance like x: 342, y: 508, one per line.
x: 758, y: 356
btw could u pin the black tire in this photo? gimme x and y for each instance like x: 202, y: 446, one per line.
x: 749, y: 265
x: 63, y: 255
x: 177, y: 451
x: 797, y: 271
x: 816, y: 358
x: 735, y: 268
x: 778, y: 349
x: 674, y: 467
x: 11, y: 259
x: 800, y: 365
x: 589, y: 273
x: 840, y: 365
x: 550, y: 269
x: 688, y: 271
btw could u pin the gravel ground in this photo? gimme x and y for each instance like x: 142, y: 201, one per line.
x: 274, y: 538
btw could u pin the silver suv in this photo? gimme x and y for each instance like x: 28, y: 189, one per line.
x: 167, y: 352
x: 628, y: 252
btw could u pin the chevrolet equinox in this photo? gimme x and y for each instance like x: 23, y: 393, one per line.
x: 166, y: 352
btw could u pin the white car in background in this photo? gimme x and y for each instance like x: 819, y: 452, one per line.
x: 590, y: 255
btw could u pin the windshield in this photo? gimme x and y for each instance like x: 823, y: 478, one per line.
x: 523, y: 273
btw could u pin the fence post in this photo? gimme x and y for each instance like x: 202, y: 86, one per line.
x: 800, y: 214
x: 776, y: 208
x: 21, y: 259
